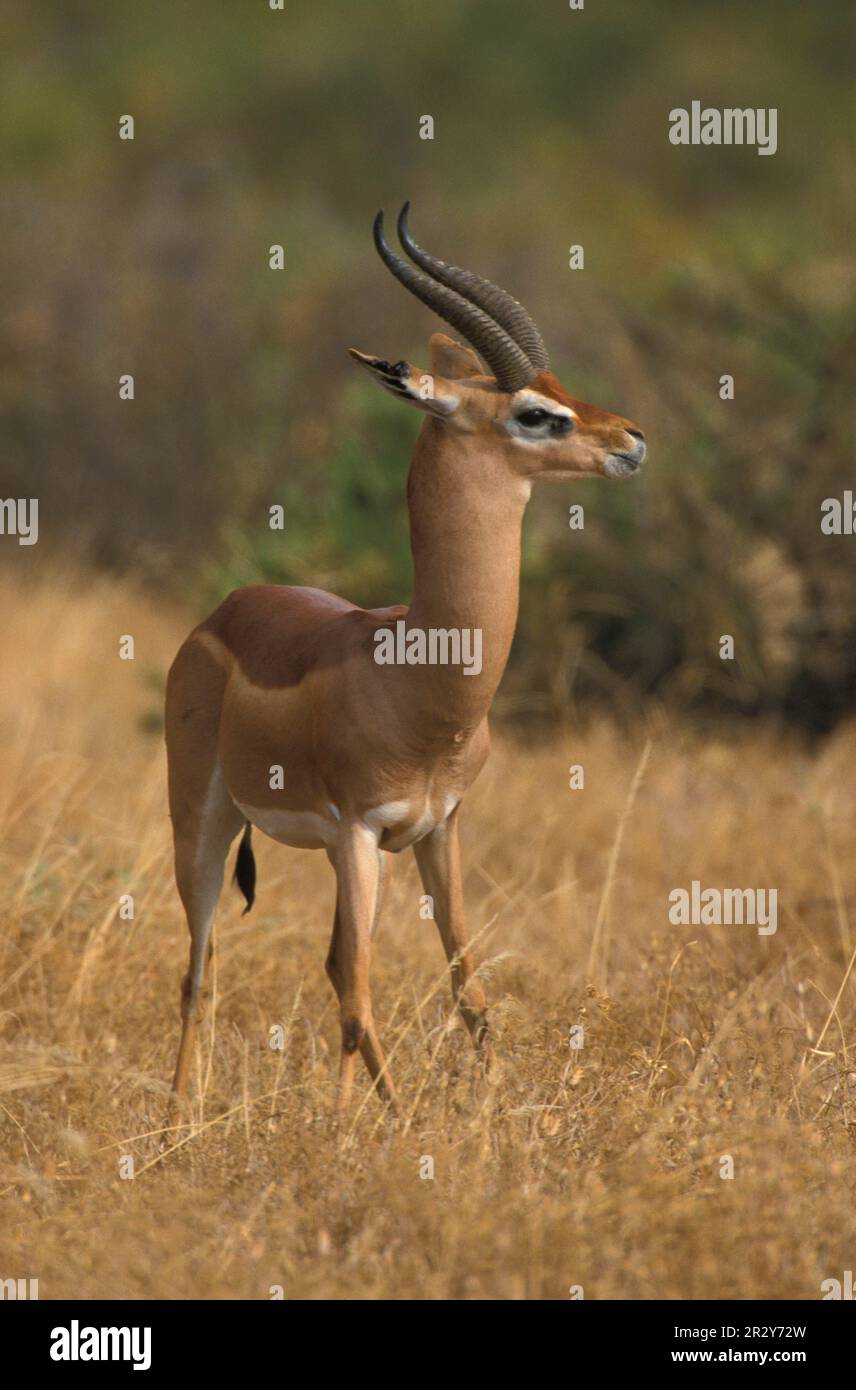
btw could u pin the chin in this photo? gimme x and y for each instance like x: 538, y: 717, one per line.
x: 618, y: 467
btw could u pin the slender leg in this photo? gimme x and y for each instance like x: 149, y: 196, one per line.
x: 439, y: 859
x: 200, y: 857
x: 358, y: 873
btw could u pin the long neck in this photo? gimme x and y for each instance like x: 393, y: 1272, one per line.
x: 466, y: 513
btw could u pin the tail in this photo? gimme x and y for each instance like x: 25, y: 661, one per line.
x: 245, y: 868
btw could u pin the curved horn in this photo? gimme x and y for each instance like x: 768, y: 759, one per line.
x: 500, y: 305
x: 506, y: 359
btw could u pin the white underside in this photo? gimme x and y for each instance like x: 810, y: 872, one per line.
x: 300, y: 829
x: 308, y: 830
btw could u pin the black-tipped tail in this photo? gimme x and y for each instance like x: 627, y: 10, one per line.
x: 245, y: 868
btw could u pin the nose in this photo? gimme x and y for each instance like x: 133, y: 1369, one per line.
x: 640, y: 449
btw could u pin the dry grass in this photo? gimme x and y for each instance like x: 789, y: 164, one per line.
x: 598, y: 1167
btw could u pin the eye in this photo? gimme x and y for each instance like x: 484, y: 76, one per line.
x: 532, y: 418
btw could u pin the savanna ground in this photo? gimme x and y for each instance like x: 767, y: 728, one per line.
x: 598, y: 1167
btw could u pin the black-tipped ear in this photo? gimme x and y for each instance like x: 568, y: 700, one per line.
x: 391, y: 374
x: 421, y: 389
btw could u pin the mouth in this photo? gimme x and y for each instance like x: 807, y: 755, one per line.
x: 622, y: 465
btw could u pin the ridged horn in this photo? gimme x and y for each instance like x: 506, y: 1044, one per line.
x: 501, y: 306
x: 505, y: 358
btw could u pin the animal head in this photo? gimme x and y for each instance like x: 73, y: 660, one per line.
x: 517, y: 404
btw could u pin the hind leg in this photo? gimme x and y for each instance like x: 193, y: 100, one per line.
x: 439, y: 859
x: 205, y: 821
x: 200, y: 858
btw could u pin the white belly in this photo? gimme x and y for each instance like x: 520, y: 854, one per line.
x: 299, y: 829
x: 393, y: 824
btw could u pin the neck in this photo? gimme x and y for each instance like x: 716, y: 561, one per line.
x: 466, y: 513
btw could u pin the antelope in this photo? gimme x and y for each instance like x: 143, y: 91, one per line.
x: 376, y: 757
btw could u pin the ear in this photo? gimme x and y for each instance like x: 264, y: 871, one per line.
x: 424, y: 390
x: 452, y: 360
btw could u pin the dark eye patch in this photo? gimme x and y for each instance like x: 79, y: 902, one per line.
x: 559, y: 424
x: 531, y: 418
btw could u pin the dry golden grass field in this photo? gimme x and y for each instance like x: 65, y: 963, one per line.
x: 597, y: 1167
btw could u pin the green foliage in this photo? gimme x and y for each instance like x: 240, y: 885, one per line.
x: 349, y: 530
